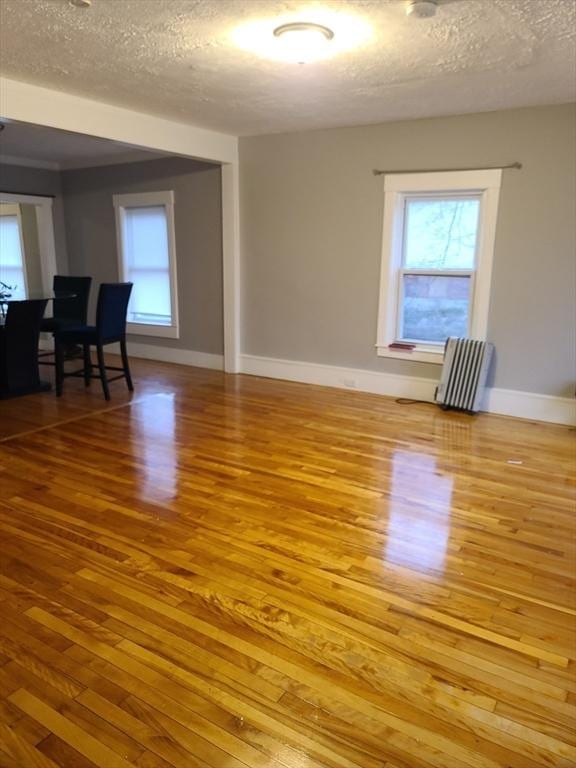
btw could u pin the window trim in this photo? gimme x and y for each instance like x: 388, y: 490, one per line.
x: 397, y: 187
x: 46, y: 241
x: 141, y: 200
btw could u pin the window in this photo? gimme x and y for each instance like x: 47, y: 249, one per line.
x: 437, y: 249
x: 12, y: 270
x: 145, y: 231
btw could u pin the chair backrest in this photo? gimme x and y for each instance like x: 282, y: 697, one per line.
x: 24, y: 317
x: 72, y: 310
x: 20, y: 341
x: 112, y: 309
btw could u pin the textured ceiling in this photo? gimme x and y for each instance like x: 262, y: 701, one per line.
x: 64, y: 149
x: 176, y: 58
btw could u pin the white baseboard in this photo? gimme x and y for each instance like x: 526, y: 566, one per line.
x: 154, y: 352
x: 334, y: 376
x: 531, y: 405
x: 507, y: 402
x: 172, y: 355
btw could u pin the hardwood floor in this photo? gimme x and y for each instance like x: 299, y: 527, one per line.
x: 231, y: 571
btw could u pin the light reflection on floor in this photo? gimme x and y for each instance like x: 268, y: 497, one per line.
x: 157, y: 437
x: 419, y: 513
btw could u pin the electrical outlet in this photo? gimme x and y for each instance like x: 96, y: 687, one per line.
x: 349, y: 383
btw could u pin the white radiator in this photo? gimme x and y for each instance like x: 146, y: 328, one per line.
x: 463, y: 380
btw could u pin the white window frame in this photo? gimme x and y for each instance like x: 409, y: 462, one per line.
x: 144, y: 200
x: 46, y: 240
x: 484, y: 185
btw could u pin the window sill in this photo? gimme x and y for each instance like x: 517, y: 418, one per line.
x: 162, y: 331
x: 416, y: 355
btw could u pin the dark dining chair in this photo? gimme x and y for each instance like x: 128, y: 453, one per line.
x: 70, y: 307
x: 18, y: 348
x: 110, y: 328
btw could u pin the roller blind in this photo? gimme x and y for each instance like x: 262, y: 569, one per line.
x: 147, y: 264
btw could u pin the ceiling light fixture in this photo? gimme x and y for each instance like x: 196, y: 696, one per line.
x: 317, y: 34
x: 303, y: 41
x: 421, y: 9
x: 81, y: 3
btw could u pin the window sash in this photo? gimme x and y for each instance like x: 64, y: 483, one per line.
x: 137, y: 308
x: 439, y: 196
x: 402, y: 273
x: 438, y: 272
x: 428, y: 271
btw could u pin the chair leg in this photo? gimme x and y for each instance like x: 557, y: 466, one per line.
x: 125, y: 365
x: 87, y: 365
x: 102, y: 368
x: 59, y: 363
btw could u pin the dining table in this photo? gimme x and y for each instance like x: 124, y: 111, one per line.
x: 19, y: 340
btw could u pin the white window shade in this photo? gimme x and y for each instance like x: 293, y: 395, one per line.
x: 147, y: 265
x: 147, y: 259
x: 11, y: 257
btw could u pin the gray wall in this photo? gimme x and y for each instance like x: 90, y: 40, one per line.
x: 91, y: 237
x: 312, y: 224
x: 38, y: 181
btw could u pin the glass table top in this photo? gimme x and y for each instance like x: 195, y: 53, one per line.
x: 39, y: 296
x: 32, y: 296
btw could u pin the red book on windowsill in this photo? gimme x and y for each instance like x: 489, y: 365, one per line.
x: 402, y: 346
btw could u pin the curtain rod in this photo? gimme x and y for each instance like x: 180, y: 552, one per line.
x: 517, y: 166
x: 30, y: 194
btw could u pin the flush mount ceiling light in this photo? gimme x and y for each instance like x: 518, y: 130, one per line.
x: 318, y: 34
x: 421, y: 9
x: 303, y: 41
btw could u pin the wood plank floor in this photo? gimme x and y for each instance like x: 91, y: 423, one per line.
x: 231, y: 571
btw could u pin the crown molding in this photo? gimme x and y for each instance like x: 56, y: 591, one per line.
x: 119, y: 158
x: 47, y: 165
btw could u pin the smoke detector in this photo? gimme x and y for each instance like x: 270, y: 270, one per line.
x: 421, y: 9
